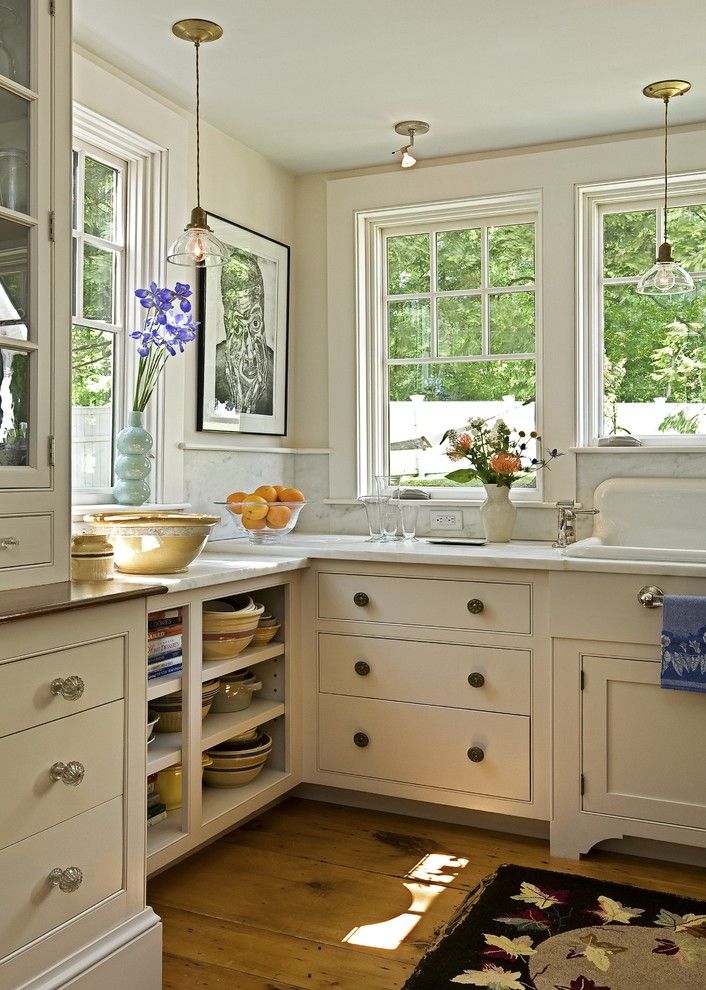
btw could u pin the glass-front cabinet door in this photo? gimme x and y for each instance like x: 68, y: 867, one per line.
x: 26, y: 231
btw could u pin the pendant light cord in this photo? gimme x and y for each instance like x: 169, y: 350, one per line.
x: 666, y: 162
x: 197, y: 45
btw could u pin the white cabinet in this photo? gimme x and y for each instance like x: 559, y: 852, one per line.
x: 35, y: 323
x: 626, y: 751
x: 430, y: 684
x: 72, y: 771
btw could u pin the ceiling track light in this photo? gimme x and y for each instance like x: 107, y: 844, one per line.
x: 198, y: 246
x: 666, y: 277
x: 409, y: 128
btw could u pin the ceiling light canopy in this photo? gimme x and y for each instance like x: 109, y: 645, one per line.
x: 409, y: 128
x: 666, y: 277
x: 198, y: 246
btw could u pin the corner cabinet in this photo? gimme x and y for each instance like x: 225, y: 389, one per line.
x: 626, y: 751
x: 35, y: 322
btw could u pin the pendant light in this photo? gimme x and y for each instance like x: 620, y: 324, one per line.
x: 198, y: 246
x: 666, y: 277
x: 409, y: 128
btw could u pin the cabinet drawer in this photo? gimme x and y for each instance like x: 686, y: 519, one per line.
x: 32, y: 799
x: 26, y: 696
x: 420, y: 744
x: 503, y: 607
x: 93, y: 842
x: 25, y: 540
x: 642, y: 744
x: 476, y: 677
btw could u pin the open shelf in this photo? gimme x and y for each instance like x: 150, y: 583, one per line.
x: 163, y: 685
x: 219, y: 801
x: 164, y: 833
x: 164, y: 752
x: 251, y: 655
x: 218, y: 728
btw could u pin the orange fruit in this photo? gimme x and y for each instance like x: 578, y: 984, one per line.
x: 236, y: 497
x: 253, y: 523
x: 254, y: 507
x: 268, y: 492
x: 279, y: 516
x: 291, y: 495
x: 278, y: 489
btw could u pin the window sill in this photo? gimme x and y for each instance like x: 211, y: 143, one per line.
x: 459, y: 503
x: 675, y: 448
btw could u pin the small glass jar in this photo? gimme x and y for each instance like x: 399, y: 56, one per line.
x: 92, y: 558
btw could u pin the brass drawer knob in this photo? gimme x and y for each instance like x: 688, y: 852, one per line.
x: 71, y: 773
x: 476, y: 754
x: 475, y: 606
x: 67, y: 880
x: 362, y: 667
x: 476, y: 679
x: 361, y: 740
x: 360, y: 599
x: 71, y: 688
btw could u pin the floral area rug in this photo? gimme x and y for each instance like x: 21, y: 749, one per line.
x: 527, y: 929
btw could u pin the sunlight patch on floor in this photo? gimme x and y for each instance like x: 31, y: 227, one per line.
x: 425, y: 882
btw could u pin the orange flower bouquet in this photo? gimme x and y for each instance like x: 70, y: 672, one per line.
x: 498, y: 455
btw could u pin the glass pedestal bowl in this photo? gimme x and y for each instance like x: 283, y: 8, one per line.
x: 263, y: 523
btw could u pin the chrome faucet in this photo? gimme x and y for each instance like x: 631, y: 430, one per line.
x: 568, y: 510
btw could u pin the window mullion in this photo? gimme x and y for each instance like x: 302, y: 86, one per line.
x: 433, y: 284
x: 485, y: 306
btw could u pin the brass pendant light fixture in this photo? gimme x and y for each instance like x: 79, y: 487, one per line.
x: 198, y: 246
x: 409, y: 128
x: 666, y: 278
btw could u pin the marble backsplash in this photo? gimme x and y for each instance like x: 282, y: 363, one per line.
x: 211, y: 475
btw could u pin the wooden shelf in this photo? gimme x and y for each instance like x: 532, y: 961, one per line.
x: 164, y: 752
x: 164, y: 833
x: 163, y: 685
x: 218, y: 728
x: 250, y: 656
x: 217, y: 801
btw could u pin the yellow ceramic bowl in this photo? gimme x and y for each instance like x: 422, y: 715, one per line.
x: 265, y: 635
x: 153, y: 542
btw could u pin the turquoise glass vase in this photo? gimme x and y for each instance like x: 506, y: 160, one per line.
x: 132, y: 465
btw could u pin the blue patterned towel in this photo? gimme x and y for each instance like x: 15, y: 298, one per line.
x: 684, y: 643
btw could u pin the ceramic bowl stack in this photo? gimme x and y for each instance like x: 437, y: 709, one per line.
x: 237, y: 761
x: 267, y: 629
x: 170, y: 706
x: 229, y: 626
x: 236, y: 691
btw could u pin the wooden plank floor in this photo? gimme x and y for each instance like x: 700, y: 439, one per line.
x: 268, y: 906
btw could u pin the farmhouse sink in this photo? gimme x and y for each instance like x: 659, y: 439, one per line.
x: 647, y: 519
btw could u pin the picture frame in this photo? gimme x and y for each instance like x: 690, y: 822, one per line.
x: 243, y: 339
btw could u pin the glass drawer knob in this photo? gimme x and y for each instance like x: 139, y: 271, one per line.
x: 361, y: 739
x: 67, y: 880
x: 362, y: 667
x: 475, y: 606
x: 71, y: 773
x: 360, y: 599
x: 476, y: 679
x: 476, y: 754
x: 70, y: 688
x: 8, y: 542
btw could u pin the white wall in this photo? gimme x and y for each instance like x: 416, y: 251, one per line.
x: 555, y: 171
x: 237, y: 183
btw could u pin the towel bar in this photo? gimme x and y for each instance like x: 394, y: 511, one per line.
x: 650, y: 596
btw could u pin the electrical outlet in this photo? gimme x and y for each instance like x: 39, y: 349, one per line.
x: 447, y: 519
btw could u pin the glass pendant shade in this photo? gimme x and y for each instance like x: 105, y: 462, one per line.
x: 198, y: 246
x: 666, y: 277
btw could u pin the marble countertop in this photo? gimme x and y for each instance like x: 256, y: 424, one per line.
x: 224, y: 561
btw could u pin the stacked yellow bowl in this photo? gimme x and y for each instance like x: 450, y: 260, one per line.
x: 229, y: 626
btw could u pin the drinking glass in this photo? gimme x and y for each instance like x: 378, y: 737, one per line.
x: 374, y: 506
x: 408, y: 509
x: 390, y: 520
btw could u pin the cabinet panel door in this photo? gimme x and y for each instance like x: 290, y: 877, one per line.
x: 480, y: 677
x: 642, y: 745
x: 421, y: 744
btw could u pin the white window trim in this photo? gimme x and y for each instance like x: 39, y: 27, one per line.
x: 370, y: 228
x: 145, y: 237
x: 592, y: 202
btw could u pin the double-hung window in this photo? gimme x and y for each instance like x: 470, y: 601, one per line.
x: 644, y: 368
x: 452, y: 334
x: 99, y: 312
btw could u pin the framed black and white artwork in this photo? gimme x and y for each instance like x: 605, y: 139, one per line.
x: 244, y: 314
